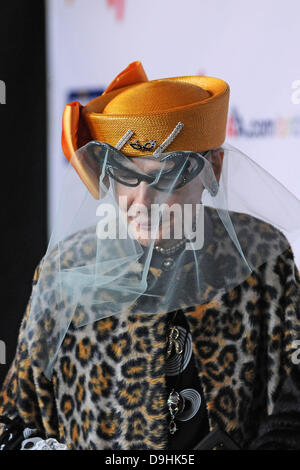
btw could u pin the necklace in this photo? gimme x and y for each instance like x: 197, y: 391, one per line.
x: 168, y: 263
x: 175, y: 401
x: 172, y: 249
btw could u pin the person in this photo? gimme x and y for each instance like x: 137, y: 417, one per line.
x: 167, y: 306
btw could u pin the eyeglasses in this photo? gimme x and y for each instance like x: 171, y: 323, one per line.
x: 184, y: 167
x: 174, y: 170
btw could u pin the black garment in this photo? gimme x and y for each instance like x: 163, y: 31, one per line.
x: 192, y: 430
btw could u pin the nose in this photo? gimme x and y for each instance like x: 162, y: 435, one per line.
x: 144, y: 194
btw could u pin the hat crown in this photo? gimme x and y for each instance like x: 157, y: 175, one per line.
x: 155, y: 97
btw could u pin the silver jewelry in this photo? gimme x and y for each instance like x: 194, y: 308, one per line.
x: 175, y: 401
x: 41, y: 444
x: 172, y: 249
x: 168, y: 263
x: 175, y: 364
x: 173, y: 341
x: 176, y: 404
x: 168, y: 140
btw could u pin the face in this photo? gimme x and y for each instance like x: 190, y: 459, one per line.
x: 136, y: 203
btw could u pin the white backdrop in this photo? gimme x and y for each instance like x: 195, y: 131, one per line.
x: 252, y: 44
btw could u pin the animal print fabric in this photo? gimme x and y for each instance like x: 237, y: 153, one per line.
x: 108, y: 389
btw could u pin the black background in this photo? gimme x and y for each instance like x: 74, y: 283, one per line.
x: 23, y: 160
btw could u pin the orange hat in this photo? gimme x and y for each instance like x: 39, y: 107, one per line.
x: 151, y: 110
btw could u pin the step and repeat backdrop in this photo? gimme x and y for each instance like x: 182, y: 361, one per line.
x: 253, y: 45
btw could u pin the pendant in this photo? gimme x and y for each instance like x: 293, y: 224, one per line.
x: 176, y: 405
x: 173, y: 341
x: 167, y: 264
x: 172, y: 426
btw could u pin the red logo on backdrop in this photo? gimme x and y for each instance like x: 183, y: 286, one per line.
x: 119, y: 6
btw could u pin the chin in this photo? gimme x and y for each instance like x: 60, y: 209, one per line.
x: 147, y: 241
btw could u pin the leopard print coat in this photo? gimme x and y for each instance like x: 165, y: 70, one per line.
x: 108, y: 389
